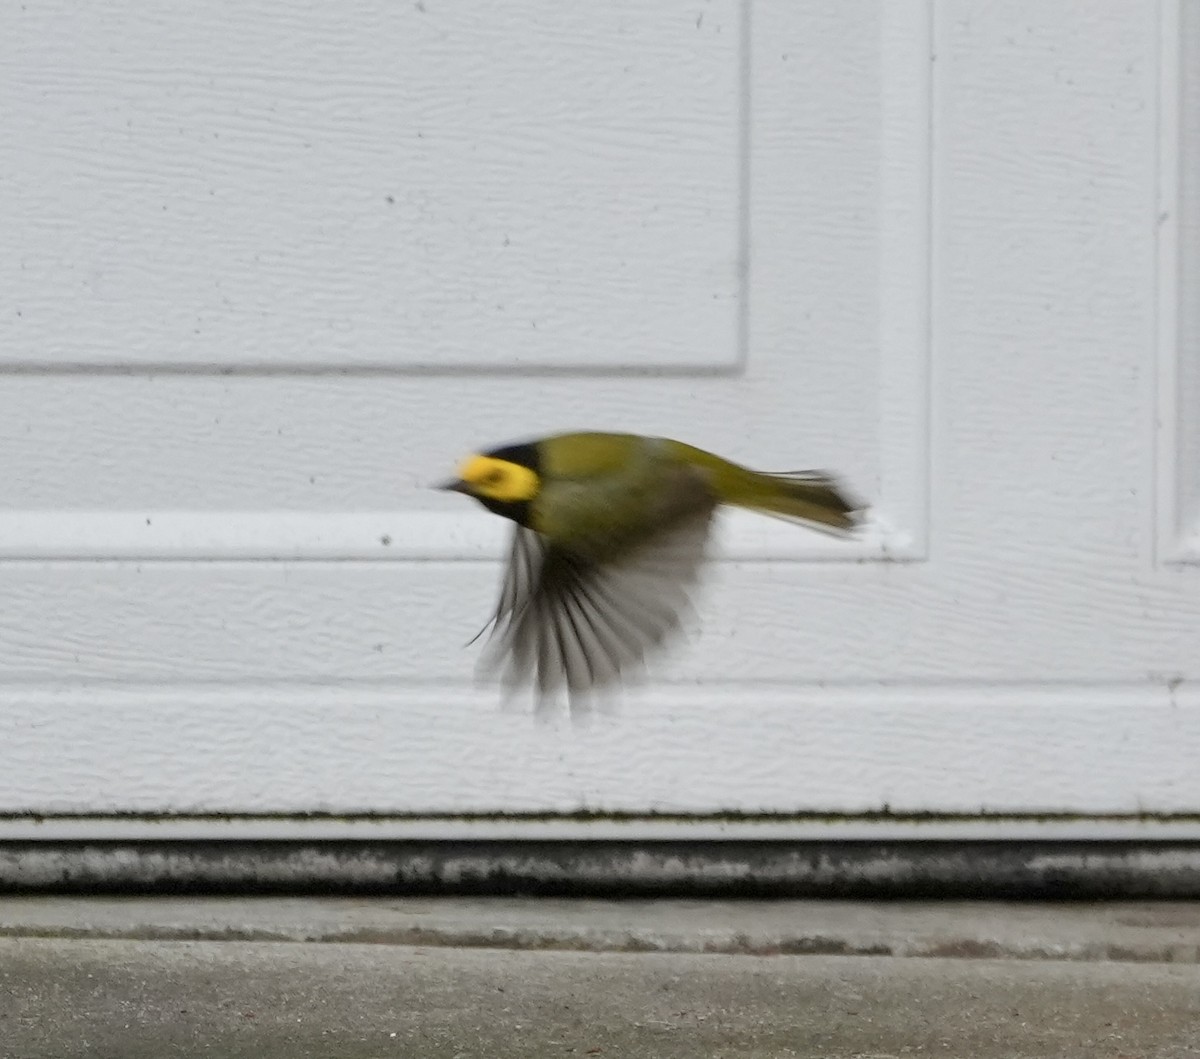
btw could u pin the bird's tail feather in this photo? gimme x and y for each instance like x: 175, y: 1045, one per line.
x: 812, y: 497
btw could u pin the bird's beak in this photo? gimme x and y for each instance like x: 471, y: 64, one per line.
x: 452, y: 485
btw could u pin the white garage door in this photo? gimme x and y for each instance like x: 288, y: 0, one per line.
x: 270, y: 269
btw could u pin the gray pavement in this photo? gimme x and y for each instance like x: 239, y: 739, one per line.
x: 356, y: 978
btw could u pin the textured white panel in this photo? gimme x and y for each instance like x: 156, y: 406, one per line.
x: 1037, y: 661
x: 185, y: 467
x: 905, y: 266
x: 396, y: 624
x: 423, y: 186
x: 844, y: 750
x: 1178, y: 414
x: 421, y: 535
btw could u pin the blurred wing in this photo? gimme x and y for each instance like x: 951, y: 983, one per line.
x: 562, y: 621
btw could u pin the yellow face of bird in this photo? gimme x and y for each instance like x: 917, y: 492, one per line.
x: 492, y: 478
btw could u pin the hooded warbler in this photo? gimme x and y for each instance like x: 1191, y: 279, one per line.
x: 610, y: 534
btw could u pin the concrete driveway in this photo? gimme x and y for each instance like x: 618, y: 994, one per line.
x: 354, y: 978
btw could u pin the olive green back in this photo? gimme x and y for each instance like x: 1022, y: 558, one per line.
x: 605, y: 493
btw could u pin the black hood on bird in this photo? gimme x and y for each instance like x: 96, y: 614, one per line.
x: 526, y: 454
